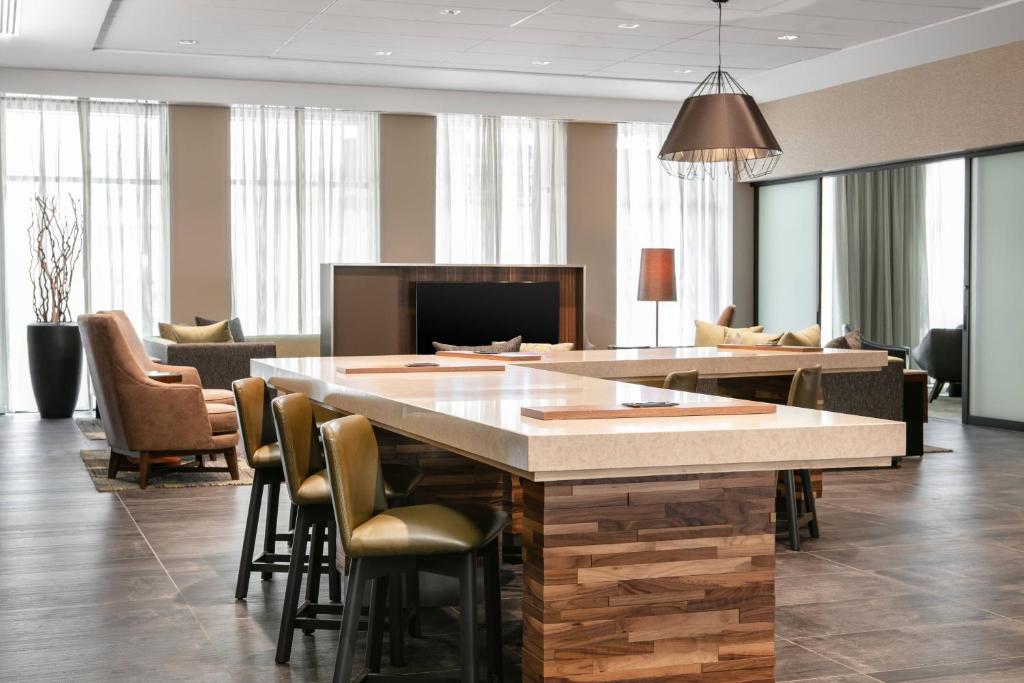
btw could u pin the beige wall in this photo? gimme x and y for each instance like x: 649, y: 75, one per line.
x: 967, y: 102
x: 200, y: 207
x: 591, y: 184
x: 408, y: 148
x: 743, y: 254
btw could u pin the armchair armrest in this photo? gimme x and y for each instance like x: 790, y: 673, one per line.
x: 218, y: 364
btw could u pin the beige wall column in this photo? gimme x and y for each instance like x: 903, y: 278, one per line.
x: 743, y: 254
x: 408, y: 148
x: 591, y: 188
x: 200, y: 204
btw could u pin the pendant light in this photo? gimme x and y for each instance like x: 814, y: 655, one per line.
x: 720, y: 129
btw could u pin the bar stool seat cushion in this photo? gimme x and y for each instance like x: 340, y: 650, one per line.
x: 400, y: 480
x: 315, y: 490
x: 267, y: 457
x: 426, y: 530
x: 219, y: 396
x: 222, y: 418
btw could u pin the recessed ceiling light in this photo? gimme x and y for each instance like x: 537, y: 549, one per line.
x: 188, y: 43
x: 541, y: 62
x: 451, y: 12
x: 788, y: 37
x: 629, y: 26
x: 383, y: 53
x: 10, y: 14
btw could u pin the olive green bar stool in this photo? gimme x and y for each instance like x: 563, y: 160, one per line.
x: 259, y: 443
x: 803, y: 393
x: 382, y: 543
x: 308, y: 488
x: 684, y: 380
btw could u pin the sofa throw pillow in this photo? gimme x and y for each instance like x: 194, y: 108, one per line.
x: 710, y: 334
x: 747, y: 338
x: 810, y: 336
x: 540, y: 347
x: 235, y: 325
x: 204, y: 334
x: 850, y: 340
x: 509, y: 346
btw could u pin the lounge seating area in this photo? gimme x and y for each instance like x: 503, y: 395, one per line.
x: 538, y: 340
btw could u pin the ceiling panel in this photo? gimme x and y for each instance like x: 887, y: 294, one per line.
x: 608, y: 54
x: 383, y: 39
x: 407, y: 11
x: 622, y: 39
x: 869, y: 9
x: 574, y: 22
x: 399, y: 27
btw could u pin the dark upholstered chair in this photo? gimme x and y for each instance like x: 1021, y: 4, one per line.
x: 894, y: 350
x: 684, y: 380
x: 383, y: 543
x: 725, y: 318
x: 940, y: 353
x: 147, y: 422
x: 803, y: 393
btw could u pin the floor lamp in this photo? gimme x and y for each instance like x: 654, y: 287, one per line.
x: 657, y: 280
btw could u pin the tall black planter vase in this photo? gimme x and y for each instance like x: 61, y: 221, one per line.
x: 55, y: 363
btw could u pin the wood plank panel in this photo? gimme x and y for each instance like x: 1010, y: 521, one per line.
x: 605, y: 601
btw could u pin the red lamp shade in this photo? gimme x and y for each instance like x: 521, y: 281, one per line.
x: 657, y: 275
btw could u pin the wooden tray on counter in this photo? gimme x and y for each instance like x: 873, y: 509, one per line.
x: 509, y: 356
x: 384, y: 369
x: 610, y: 412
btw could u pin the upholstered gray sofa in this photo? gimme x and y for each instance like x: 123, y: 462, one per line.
x: 218, y: 364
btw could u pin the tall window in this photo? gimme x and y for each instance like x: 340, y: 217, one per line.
x: 111, y: 157
x: 304, y: 191
x: 655, y: 209
x: 500, y: 190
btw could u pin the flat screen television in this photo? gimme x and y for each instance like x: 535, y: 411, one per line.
x: 478, y: 313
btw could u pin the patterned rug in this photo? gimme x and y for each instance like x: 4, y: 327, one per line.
x: 96, y: 461
x: 91, y: 428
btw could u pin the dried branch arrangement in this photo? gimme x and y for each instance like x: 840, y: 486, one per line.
x: 55, y: 245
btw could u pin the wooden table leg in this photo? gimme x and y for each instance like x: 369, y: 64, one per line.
x: 669, y: 578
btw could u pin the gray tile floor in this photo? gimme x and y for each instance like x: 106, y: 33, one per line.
x: 918, y: 576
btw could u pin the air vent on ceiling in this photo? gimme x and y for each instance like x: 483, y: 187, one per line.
x: 9, y: 14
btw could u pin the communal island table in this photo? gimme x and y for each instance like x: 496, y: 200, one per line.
x: 648, y: 543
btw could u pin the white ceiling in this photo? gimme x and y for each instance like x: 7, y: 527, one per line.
x: 581, y: 48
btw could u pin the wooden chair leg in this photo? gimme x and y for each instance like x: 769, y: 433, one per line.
x: 270, y: 532
x: 113, y: 465
x: 350, y: 624
x: 316, y: 557
x: 252, y: 521
x: 231, y: 458
x: 467, y: 618
x: 809, y: 503
x: 333, y: 575
x: 291, y: 591
x: 396, y: 607
x: 492, y: 612
x: 412, y: 592
x: 792, y: 515
x: 143, y: 469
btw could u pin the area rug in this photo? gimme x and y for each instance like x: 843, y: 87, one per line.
x: 91, y: 428
x: 96, y: 461
x: 936, y: 449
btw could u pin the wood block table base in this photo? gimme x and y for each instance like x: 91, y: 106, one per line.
x: 652, y: 579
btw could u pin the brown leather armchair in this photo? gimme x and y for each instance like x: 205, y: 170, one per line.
x: 148, y: 422
x: 189, y: 375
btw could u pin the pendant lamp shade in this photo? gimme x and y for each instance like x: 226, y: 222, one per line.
x: 720, y: 129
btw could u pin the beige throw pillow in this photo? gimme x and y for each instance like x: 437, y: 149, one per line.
x: 710, y: 334
x: 537, y: 347
x: 808, y: 337
x: 201, y: 334
x: 747, y: 338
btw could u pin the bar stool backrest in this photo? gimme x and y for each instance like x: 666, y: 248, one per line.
x: 301, y: 456
x: 255, y: 421
x: 684, y: 380
x: 804, y: 390
x: 353, y: 465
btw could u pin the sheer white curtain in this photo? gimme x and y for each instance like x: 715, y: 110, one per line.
x: 655, y: 209
x: 111, y: 157
x: 501, y: 190
x: 304, y: 191
x: 944, y: 220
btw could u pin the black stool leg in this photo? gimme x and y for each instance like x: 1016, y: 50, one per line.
x: 467, y: 618
x: 375, y: 628
x: 808, y: 492
x: 316, y: 556
x: 292, y: 590
x: 350, y: 623
x: 249, y: 538
x: 413, y: 594
x: 293, y: 511
x: 492, y: 612
x: 792, y: 516
x: 333, y: 575
x: 396, y: 603
x: 270, y: 533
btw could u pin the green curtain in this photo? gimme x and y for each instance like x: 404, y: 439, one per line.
x: 881, y: 255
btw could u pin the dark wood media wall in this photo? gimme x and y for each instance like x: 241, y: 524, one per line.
x: 370, y: 309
